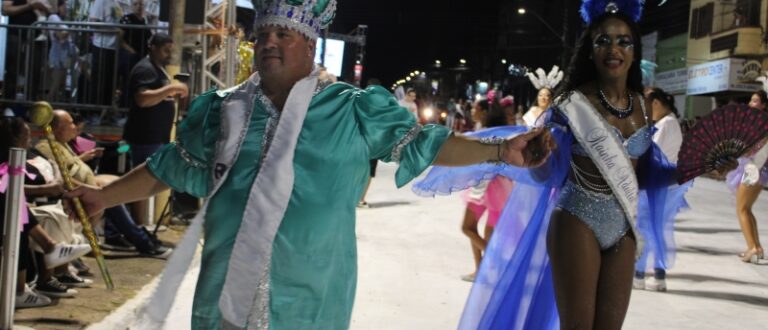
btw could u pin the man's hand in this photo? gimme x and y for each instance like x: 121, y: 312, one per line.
x: 179, y: 89
x: 41, y: 5
x: 530, y: 150
x: 89, y: 196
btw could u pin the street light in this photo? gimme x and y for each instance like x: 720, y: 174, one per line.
x: 560, y: 36
x: 503, y: 61
x: 463, y: 61
x: 523, y: 11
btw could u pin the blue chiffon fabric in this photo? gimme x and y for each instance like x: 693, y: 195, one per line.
x: 513, y: 288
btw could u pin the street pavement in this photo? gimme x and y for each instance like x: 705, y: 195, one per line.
x: 412, y: 255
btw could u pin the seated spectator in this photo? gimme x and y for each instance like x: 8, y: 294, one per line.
x: 14, y: 133
x: 120, y: 231
x: 84, y: 144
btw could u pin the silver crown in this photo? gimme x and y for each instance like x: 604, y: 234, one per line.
x: 612, y: 8
x: 307, y: 17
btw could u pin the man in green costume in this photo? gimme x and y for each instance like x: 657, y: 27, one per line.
x: 282, y: 160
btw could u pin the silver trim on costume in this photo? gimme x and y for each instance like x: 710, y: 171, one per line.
x: 259, y: 315
x: 272, y: 121
x: 187, y: 157
x: 407, y: 138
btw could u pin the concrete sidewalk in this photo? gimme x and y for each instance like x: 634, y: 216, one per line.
x: 412, y: 254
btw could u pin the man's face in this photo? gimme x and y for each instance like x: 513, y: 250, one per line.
x: 283, y: 54
x: 411, y: 97
x: 65, y: 129
x: 162, y: 54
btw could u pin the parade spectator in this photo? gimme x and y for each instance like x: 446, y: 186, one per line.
x: 62, y: 54
x: 135, y: 46
x: 152, y: 107
x: 19, y: 12
x: 120, y: 230
x: 14, y: 133
x: 104, y: 52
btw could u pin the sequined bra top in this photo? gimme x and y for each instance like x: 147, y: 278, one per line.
x: 636, y: 145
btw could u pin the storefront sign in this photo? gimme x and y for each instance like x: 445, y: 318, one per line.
x: 719, y: 76
x: 674, y: 81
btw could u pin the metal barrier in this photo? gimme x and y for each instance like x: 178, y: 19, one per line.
x: 61, y: 62
x: 9, y: 265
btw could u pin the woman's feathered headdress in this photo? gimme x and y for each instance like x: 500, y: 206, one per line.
x: 543, y: 80
x: 592, y: 9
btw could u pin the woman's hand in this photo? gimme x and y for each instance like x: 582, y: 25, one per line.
x: 531, y: 149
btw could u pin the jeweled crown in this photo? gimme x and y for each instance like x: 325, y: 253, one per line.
x: 307, y: 17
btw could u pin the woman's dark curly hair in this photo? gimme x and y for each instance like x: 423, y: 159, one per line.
x: 582, y: 69
x: 11, y: 129
x: 666, y: 100
x: 495, y: 116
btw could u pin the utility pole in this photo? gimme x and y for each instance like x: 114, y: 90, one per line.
x: 176, y: 24
x: 177, y: 34
x: 566, y: 54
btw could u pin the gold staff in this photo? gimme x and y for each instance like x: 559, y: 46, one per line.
x: 41, y: 114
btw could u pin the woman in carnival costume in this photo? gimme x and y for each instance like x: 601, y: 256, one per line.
x: 572, y: 265
x: 488, y: 197
x: 747, y: 181
x: 545, y: 84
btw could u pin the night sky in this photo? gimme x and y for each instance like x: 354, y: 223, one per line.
x: 410, y: 35
x: 404, y: 36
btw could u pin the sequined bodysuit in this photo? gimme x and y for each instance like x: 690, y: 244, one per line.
x: 601, y: 212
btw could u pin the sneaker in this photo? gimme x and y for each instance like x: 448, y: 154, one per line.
x: 152, y: 237
x: 54, y: 289
x: 31, y: 299
x: 79, y: 267
x: 468, y: 277
x: 64, y: 253
x: 656, y: 284
x: 118, y: 243
x: 638, y: 283
x: 160, y: 252
x: 74, y: 281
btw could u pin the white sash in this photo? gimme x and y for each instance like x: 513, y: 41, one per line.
x: 236, y: 112
x: 264, y: 211
x: 605, y: 149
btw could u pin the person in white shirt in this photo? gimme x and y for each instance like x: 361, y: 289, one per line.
x: 409, y: 102
x: 668, y: 136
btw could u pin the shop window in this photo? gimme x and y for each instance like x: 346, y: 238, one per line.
x: 701, y: 21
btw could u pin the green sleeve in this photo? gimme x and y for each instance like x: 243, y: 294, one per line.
x: 392, y: 134
x: 184, y: 165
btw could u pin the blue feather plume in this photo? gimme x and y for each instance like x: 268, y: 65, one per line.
x: 592, y: 9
